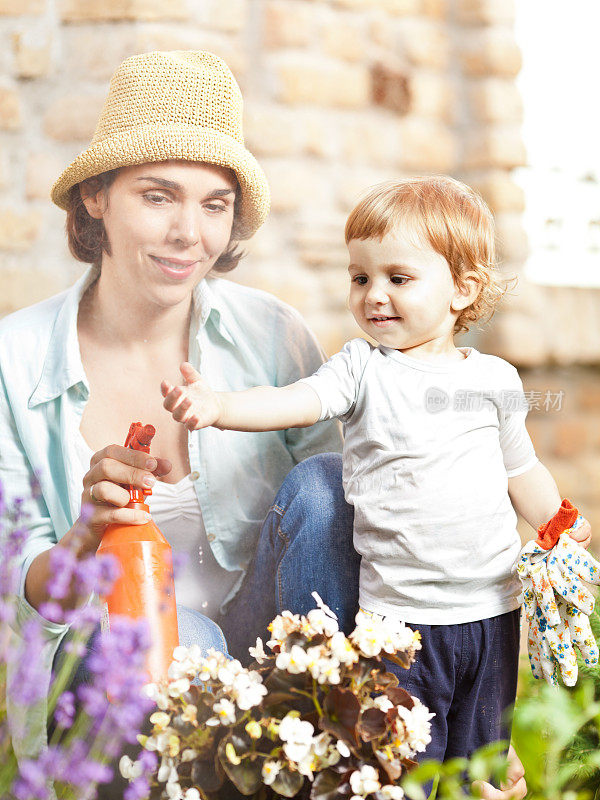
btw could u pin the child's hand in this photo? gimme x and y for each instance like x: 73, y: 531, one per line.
x: 195, y: 404
x: 583, y: 534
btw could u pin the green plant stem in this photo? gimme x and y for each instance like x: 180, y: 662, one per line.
x: 310, y: 697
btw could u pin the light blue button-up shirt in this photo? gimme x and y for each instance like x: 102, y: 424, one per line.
x: 239, y: 337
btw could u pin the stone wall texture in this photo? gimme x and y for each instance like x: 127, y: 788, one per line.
x: 339, y: 94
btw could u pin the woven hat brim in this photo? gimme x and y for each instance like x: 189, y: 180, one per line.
x: 151, y: 143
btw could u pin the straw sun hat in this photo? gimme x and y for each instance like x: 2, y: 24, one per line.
x: 183, y: 104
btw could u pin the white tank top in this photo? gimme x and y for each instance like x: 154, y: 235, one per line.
x: 201, y: 582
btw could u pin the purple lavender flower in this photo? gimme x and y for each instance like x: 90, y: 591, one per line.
x: 32, y: 782
x: 109, y: 571
x: 64, y: 713
x: 35, y: 776
x: 148, y: 760
x: 84, y: 618
x: 96, y: 574
x: 51, y: 611
x: 86, y: 513
x: 27, y: 684
x: 93, y: 700
x: 179, y: 562
x: 2, y: 502
x: 63, y: 562
x: 138, y: 789
x: 7, y: 611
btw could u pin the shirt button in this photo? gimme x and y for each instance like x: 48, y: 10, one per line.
x: 211, y: 537
x: 194, y: 476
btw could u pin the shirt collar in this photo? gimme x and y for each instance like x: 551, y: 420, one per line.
x: 209, y: 307
x: 62, y: 367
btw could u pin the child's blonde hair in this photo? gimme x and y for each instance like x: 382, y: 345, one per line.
x: 448, y: 215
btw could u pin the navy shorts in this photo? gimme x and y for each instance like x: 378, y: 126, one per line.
x: 467, y: 675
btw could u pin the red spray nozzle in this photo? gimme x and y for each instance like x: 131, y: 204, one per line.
x: 139, y: 438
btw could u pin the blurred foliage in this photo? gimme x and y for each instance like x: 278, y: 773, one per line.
x: 556, y: 732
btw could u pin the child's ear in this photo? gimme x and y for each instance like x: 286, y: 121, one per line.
x: 467, y: 292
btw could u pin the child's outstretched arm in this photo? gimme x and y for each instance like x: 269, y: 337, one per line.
x: 264, y: 408
x: 536, y: 498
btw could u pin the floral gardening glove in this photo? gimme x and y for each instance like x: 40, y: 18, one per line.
x: 556, y: 603
x: 568, y: 565
x: 543, y: 665
x: 581, y: 635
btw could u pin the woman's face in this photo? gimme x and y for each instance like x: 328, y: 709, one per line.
x: 167, y: 223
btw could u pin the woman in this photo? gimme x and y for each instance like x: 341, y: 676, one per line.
x: 159, y: 199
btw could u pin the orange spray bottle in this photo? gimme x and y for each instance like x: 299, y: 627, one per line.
x: 145, y: 585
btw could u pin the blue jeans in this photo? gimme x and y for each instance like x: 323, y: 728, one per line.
x: 305, y: 545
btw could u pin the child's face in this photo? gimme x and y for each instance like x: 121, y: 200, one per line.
x: 401, y: 291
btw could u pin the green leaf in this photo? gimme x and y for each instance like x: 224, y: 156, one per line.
x: 341, y: 709
x: 400, y: 697
x: 207, y: 774
x: 326, y: 786
x: 372, y: 724
x: 287, y: 783
x: 247, y: 775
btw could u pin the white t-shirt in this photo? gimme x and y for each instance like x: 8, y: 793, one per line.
x: 428, y: 451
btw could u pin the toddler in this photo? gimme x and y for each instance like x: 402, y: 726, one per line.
x: 436, y: 456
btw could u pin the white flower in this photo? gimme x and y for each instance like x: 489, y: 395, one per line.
x: 225, y: 711
x: 317, y: 621
x: 417, y: 725
x: 159, y: 743
x: 374, y: 634
x: 128, y: 769
x: 298, y: 737
x: 270, y: 770
x: 159, y: 697
x: 325, y: 608
x: 173, y: 790
x: 342, y: 748
x: 342, y: 649
x: 167, y: 771
x: 382, y: 702
x: 368, y: 635
x: 282, y: 626
x: 228, y: 672
x: 189, y: 754
x: 208, y: 668
x: 390, y: 792
x: 191, y: 794
x: 365, y: 781
x: 178, y: 687
x: 306, y: 764
x: 258, y: 652
x: 187, y: 661
x: 324, y: 668
x: 295, y: 662
x: 248, y: 690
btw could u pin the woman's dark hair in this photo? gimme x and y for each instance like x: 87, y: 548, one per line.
x: 87, y: 236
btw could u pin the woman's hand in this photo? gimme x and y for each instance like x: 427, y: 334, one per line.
x: 104, y: 492
x: 195, y: 404
x: 514, y: 786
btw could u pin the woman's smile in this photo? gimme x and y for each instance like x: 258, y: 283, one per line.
x: 175, y: 268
